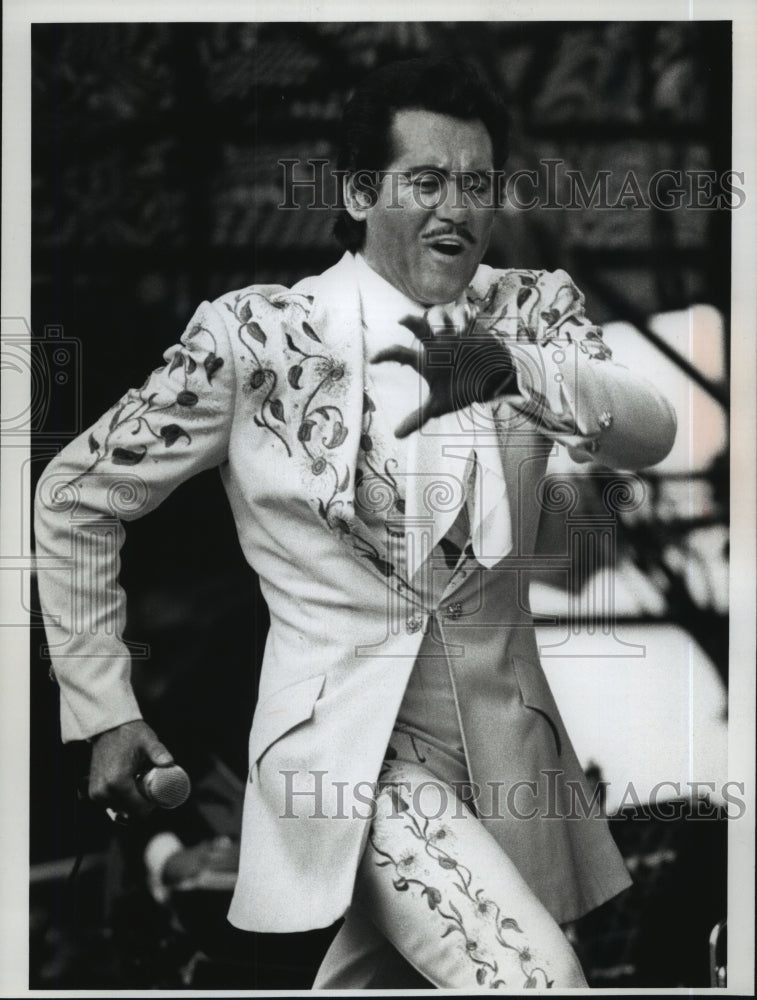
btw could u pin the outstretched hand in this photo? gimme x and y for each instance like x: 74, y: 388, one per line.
x: 460, y: 367
x: 118, y: 756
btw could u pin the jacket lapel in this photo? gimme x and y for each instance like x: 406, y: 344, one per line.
x: 307, y: 346
x: 330, y: 410
x: 339, y: 410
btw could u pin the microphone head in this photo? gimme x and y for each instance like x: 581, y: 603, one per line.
x: 167, y: 787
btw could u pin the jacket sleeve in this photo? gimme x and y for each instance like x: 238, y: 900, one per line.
x: 569, y: 385
x: 153, y: 439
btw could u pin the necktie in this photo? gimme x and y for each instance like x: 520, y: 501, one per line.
x: 455, y: 460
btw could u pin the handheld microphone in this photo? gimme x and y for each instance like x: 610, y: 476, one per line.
x: 166, y: 787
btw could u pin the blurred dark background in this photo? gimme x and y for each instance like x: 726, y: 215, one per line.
x: 156, y: 183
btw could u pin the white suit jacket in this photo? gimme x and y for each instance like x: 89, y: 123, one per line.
x: 267, y: 384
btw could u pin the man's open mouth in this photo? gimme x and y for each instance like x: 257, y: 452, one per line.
x: 450, y: 248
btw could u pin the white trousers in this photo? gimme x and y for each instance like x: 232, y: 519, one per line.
x: 437, y: 901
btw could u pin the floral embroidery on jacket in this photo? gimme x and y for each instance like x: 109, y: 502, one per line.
x: 541, y: 312
x: 301, y: 394
x: 299, y: 390
x: 136, y: 412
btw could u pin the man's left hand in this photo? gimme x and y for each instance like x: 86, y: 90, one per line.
x: 460, y: 367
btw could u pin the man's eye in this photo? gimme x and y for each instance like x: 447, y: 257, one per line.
x: 480, y: 185
x: 427, y: 183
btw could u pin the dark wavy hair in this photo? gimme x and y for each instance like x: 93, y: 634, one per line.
x: 449, y: 86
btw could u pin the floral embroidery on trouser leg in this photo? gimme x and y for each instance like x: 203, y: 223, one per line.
x: 447, y: 896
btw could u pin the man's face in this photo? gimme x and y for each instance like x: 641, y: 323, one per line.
x: 430, y: 225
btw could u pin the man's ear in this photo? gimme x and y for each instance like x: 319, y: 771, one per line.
x: 358, y: 199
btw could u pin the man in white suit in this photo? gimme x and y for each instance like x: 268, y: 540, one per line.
x: 382, y: 432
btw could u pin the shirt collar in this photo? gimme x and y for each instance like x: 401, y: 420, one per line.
x: 383, y: 306
x: 381, y: 302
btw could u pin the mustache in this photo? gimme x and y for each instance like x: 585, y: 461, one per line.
x: 461, y: 231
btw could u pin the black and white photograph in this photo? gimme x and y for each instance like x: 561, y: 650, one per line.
x: 378, y: 499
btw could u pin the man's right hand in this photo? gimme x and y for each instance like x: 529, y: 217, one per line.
x: 118, y: 756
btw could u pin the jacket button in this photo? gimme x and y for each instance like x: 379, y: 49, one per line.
x: 454, y: 610
x: 413, y: 624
